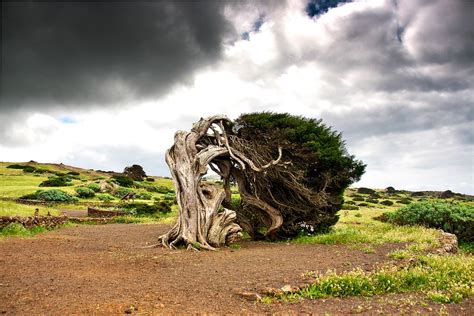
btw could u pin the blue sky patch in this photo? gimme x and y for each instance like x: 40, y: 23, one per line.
x: 67, y: 120
x: 318, y: 7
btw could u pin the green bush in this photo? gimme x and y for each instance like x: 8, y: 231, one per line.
x: 123, y: 181
x: 121, y: 192
x: 358, y: 199
x: 349, y: 207
x: 405, y: 201
x: 387, y: 202
x: 374, y: 201
x: 150, y: 179
x: 143, y: 196
x: 158, y: 189
x: 453, y: 218
x: 105, y: 197
x: 54, y: 195
x: 41, y: 170
x: 73, y: 173
x: 56, y: 182
x: 365, y: 191
x: 350, y: 202
x: 29, y: 169
x: 16, y: 166
x: 363, y: 204
x: 94, y: 187
x: 85, y: 192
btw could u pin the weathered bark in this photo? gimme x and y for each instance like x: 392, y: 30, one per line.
x: 203, y: 223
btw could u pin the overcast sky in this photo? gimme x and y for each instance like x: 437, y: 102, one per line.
x: 106, y: 85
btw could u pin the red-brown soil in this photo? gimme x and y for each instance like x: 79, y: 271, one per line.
x: 102, y: 269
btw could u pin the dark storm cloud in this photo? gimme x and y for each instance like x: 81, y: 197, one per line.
x: 70, y: 53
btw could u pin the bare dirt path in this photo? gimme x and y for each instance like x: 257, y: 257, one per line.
x: 100, y: 269
x: 74, y: 213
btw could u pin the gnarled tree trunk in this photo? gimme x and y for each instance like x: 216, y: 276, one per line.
x: 202, y: 222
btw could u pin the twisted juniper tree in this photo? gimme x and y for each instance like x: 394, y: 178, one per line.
x: 290, y: 171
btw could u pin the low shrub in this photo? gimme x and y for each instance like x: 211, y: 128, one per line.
x: 358, y: 199
x: 387, y: 202
x: 143, y: 196
x: 56, y: 182
x: 150, y: 179
x: 16, y: 166
x: 121, y: 192
x: 41, y: 170
x: 374, y: 201
x: 29, y: 169
x: 83, y: 192
x: 54, y: 195
x: 349, y: 207
x: 350, y: 202
x: 158, y: 189
x: 94, y: 187
x: 405, y: 201
x: 123, y: 181
x: 105, y: 197
x: 390, y: 190
x: 453, y: 218
x: 365, y: 191
x: 73, y: 173
x: 363, y: 204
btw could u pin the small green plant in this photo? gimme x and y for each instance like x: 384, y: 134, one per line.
x: 54, y: 195
x: 358, y: 199
x: 74, y: 173
x: 143, y: 196
x: 123, y: 181
x: 158, y: 189
x: 349, y: 207
x: 366, y: 191
x: 56, y: 182
x: 105, y: 197
x: 235, y: 246
x: 121, y: 192
x: 84, y: 193
x: 374, y: 201
x: 29, y: 169
x: 386, y: 202
x: 94, y: 187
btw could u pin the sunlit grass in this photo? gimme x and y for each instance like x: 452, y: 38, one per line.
x: 354, y: 229
x: 11, y: 208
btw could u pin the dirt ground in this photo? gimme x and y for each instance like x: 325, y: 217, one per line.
x: 102, y: 269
